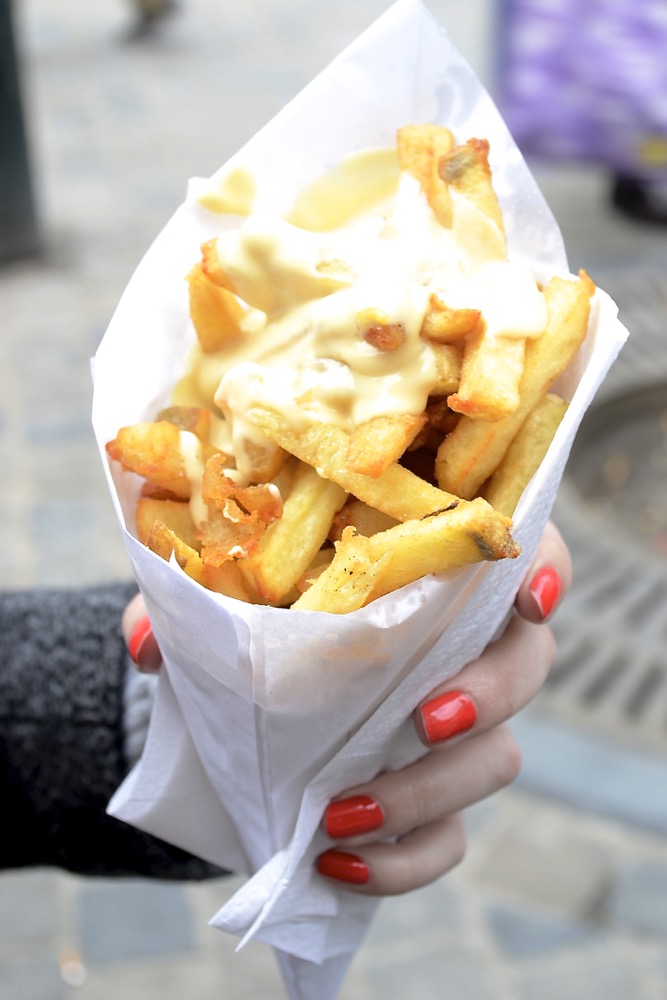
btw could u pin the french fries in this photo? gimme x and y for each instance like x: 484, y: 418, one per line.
x: 351, y: 444
x: 471, y: 453
x: 525, y: 454
x: 215, y: 312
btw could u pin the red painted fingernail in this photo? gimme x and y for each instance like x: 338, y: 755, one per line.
x: 546, y: 589
x: 353, y: 816
x: 343, y: 867
x: 143, y: 647
x: 448, y: 715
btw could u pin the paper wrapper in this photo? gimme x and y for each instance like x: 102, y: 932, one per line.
x: 263, y: 715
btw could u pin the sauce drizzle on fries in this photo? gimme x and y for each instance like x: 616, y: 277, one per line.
x: 365, y: 403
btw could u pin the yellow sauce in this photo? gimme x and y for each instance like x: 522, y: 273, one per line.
x: 366, y: 243
x: 230, y: 192
x: 190, y: 448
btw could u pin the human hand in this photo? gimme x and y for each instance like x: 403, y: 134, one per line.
x: 404, y: 829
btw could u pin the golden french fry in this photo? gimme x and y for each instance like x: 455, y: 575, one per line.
x: 397, y: 492
x: 174, y: 514
x: 290, y: 544
x: 212, y: 268
x: 466, y: 169
x: 525, y: 453
x: 448, y: 326
x: 380, y: 564
x: 448, y: 359
x: 470, y: 454
x: 215, y: 311
x: 400, y: 496
x: 379, y: 442
x: 318, y: 566
x: 224, y: 579
x: 228, y: 580
x: 420, y: 148
x: 358, y: 515
x: 154, y: 492
x: 195, y: 419
x: 237, y: 515
x: 347, y: 583
x: 264, y: 460
x: 490, y: 376
x: 157, y: 452
x: 440, y: 418
x: 466, y: 534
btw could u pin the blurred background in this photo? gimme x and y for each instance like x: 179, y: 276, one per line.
x: 563, y: 893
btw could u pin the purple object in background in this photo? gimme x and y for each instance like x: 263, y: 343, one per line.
x: 587, y: 80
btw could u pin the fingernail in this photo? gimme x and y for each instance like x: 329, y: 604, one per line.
x: 143, y: 647
x: 343, y: 867
x: 448, y: 715
x: 353, y: 816
x: 546, y: 589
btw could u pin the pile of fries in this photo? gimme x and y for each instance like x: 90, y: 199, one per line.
x: 326, y: 516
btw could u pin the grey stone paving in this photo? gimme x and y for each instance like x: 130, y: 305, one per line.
x: 562, y: 894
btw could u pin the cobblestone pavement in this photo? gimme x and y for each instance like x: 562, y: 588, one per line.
x: 563, y: 894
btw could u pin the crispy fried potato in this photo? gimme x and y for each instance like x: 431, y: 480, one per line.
x: 465, y: 534
x: 290, y: 544
x: 397, y: 492
x: 440, y: 418
x: 525, y: 453
x: 420, y: 148
x: 154, y: 492
x: 448, y: 326
x: 195, y: 419
x: 323, y: 559
x: 264, y: 460
x: 154, y: 450
x: 358, y: 515
x: 399, y: 497
x: 237, y: 515
x: 174, y: 514
x: 212, y: 268
x: 490, y: 376
x: 466, y: 169
x: 163, y: 541
x: 224, y: 580
x: 379, y: 442
x: 215, y: 311
x: 374, y: 566
x: 448, y: 359
x: 469, y: 455
x: 347, y: 583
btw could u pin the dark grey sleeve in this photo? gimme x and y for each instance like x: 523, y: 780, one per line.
x: 62, y: 674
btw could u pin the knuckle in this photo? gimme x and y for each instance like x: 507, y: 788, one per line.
x: 507, y: 758
x: 459, y: 845
x: 420, y: 796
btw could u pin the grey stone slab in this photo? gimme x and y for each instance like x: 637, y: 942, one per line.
x: 28, y: 909
x: 558, y: 870
x: 437, y: 907
x: 432, y: 975
x: 591, y: 773
x: 129, y: 920
x: 603, y: 975
x: 31, y: 980
x: 526, y: 934
x: 638, y: 900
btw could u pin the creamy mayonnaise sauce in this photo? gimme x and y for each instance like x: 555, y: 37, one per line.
x: 314, y: 290
x: 191, y: 451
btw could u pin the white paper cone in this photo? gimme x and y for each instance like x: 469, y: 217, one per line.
x: 263, y: 715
